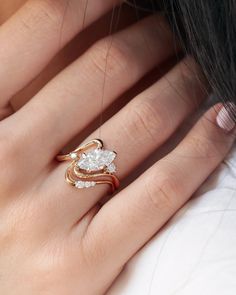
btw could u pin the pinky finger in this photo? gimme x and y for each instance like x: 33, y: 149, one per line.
x: 131, y: 218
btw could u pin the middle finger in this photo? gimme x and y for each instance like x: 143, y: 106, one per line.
x: 72, y: 100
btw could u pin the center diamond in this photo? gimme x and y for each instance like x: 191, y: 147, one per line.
x: 96, y: 160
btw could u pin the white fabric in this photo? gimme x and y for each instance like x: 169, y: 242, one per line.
x: 195, y: 254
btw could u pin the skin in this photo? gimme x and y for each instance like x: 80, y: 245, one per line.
x: 57, y: 239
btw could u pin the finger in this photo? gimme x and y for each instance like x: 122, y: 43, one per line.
x: 139, y: 211
x: 36, y: 33
x: 72, y: 100
x: 139, y: 128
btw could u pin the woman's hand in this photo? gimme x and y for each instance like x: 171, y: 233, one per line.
x: 56, y: 239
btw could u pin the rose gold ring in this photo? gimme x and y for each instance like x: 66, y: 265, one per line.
x: 90, y: 165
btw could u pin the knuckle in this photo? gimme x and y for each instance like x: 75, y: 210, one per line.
x: 163, y: 191
x: 203, y: 148
x: 43, y: 12
x: 110, y: 57
x: 144, y: 120
x: 191, y: 78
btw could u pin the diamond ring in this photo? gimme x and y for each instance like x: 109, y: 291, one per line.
x: 90, y: 165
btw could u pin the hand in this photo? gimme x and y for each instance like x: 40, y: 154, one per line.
x: 54, y: 238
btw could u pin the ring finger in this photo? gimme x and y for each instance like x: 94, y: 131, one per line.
x: 136, y: 131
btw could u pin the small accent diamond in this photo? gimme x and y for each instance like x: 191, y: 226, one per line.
x: 79, y: 184
x: 111, y: 168
x: 87, y: 184
x: 73, y: 156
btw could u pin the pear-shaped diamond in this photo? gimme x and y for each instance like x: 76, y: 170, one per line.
x: 96, y: 160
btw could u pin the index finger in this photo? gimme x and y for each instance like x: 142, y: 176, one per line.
x: 31, y: 37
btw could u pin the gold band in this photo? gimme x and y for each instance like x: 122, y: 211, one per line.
x: 90, y: 165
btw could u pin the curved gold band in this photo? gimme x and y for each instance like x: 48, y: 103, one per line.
x: 90, y: 165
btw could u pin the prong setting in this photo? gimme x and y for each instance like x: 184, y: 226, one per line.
x: 91, y: 164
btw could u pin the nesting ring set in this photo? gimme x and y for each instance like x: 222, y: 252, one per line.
x: 90, y: 165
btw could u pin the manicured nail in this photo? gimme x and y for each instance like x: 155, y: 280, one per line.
x: 226, y: 117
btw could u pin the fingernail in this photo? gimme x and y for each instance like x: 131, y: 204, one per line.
x: 226, y: 117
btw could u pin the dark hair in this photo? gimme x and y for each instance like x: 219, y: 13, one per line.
x: 207, y: 30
